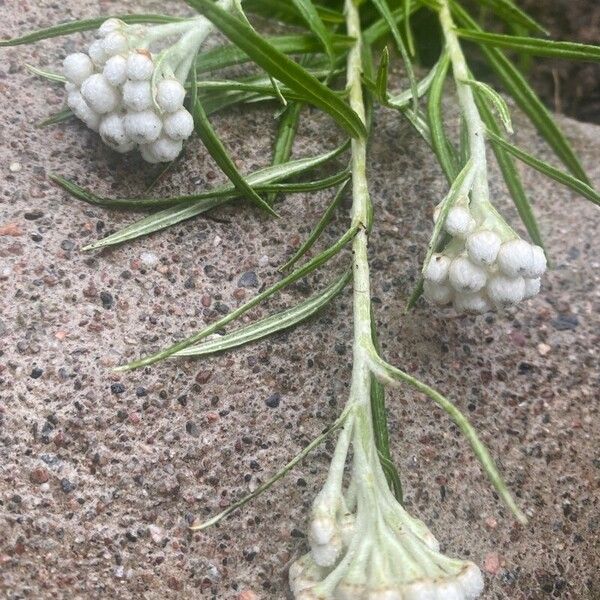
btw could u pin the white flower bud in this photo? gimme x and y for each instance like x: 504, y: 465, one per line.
x: 538, y: 268
x: 77, y: 67
x: 471, y: 582
x: 483, y: 246
x: 82, y: 111
x: 143, y: 127
x: 99, y: 94
x: 532, y: 288
x: 137, y: 95
x: 115, y: 43
x: 466, y: 277
x: 179, y: 125
x: 516, y: 258
x: 322, y: 530
x: 124, y: 148
x: 506, y: 290
x: 325, y: 555
x: 112, y: 130
x: 459, y: 221
x: 115, y: 70
x: 148, y: 154
x: 97, y: 54
x: 437, y: 269
x: 448, y: 590
x: 420, y: 590
x: 471, y: 303
x: 165, y: 149
x: 109, y: 26
x: 71, y: 87
x: 139, y: 65
x: 170, y: 95
x: 437, y: 293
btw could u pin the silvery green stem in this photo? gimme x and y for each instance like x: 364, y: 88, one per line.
x: 475, y: 126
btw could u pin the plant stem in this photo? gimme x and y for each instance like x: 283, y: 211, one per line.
x: 475, y: 126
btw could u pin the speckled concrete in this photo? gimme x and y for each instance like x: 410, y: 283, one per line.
x: 100, y: 474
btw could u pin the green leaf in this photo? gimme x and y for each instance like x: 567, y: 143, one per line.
x: 281, y: 67
x: 388, y: 374
x: 534, y: 46
x: 381, y: 82
x: 383, y: 7
x: 491, y: 95
x: 282, y: 10
x: 374, y: 32
x: 58, y: 117
x: 316, y: 232
x: 440, y: 142
x: 380, y: 425
x: 575, y: 184
x: 286, y: 134
x: 509, y: 12
x: 217, y: 150
x: 302, y: 271
x: 202, y: 203
x: 230, y: 55
x: 402, y: 100
x: 310, y: 14
x: 410, y: 42
x: 511, y: 176
x: 270, y: 325
x: 49, y: 75
x: 526, y: 98
x: 84, y: 25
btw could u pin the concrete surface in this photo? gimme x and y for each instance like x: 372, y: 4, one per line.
x: 100, y: 474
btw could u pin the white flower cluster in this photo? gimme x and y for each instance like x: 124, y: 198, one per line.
x: 110, y: 90
x: 485, y: 266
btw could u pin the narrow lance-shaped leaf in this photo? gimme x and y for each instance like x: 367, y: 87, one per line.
x: 381, y: 82
x: 509, y: 12
x: 284, y: 11
x: 302, y: 271
x: 310, y: 14
x: 217, y: 150
x: 575, y: 184
x: 84, y: 25
x: 526, y: 98
x: 270, y: 325
x: 58, y: 117
x: 534, y: 46
x: 318, y: 230
x: 281, y: 67
x: 511, y: 176
x: 497, y: 101
x: 49, y: 75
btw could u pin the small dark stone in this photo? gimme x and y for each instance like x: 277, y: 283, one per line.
x: 36, y: 373
x: 66, y: 486
x: 254, y: 465
x: 565, y: 322
x: 36, y: 237
x: 273, y: 400
x: 107, y: 300
x: 117, y: 388
x: 296, y: 533
x: 192, y: 429
x: 525, y: 368
x: 340, y: 348
x: 221, y: 308
x: 33, y: 215
x: 140, y: 392
x: 248, y: 280
x: 67, y: 245
x: 182, y: 400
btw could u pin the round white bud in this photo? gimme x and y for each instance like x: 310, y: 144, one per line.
x: 109, y: 26
x: 71, y: 87
x: 97, y: 54
x: 179, y: 125
x: 99, y: 94
x: 471, y: 582
x: 112, y: 130
x: 516, y: 258
x: 82, y: 111
x: 165, y: 149
x: 471, y: 303
x: 532, y: 288
x: 466, y: 277
x: 137, y: 95
x: 143, y: 127
x: 77, y: 67
x: 459, y: 221
x: 148, y: 154
x: 115, y: 70
x: 170, y: 95
x: 538, y: 267
x: 322, y: 530
x: 139, y: 65
x: 115, y: 43
x: 437, y: 269
x: 325, y: 555
x: 483, y: 246
x: 448, y: 590
x: 437, y: 293
x: 506, y: 290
